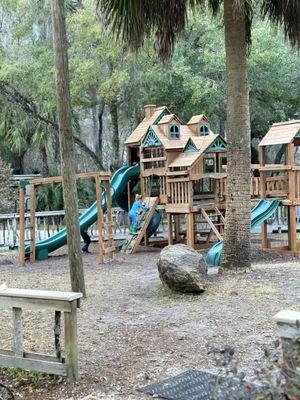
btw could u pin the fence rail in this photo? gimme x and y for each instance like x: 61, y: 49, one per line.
x: 50, y: 222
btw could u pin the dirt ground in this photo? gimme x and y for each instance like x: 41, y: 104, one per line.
x: 132, y: 332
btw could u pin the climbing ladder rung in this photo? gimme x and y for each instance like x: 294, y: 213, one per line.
x: 109, y: 250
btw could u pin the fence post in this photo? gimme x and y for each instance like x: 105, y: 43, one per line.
x: 288, y: 323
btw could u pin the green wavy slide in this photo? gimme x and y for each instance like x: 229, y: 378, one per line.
x: 119, y: 182
x: 262, y: 211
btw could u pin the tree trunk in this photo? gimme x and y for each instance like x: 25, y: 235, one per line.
x: 99, y: 147
x: 44, y: 158
x: 67, y: 146
x: 113, y: 108
x: 236, y: 250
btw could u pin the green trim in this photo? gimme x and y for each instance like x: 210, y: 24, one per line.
x: 214, y: 165
x: 218, y: 144
x: 165, y: 112
x: 151, y: 140
x: 297, y: 134
x: 23, y: 184
x: 206, y: 133
x: 172, y: 133
x: 190, y: 147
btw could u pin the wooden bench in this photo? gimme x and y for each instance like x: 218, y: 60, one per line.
x: 66, y: 302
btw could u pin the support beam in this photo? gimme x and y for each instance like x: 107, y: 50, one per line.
x: 32, y: 223
x: 170, y: 228
x: 71, y: 347
x: 99, y: 218
x: 18, y: 331
x: 22, y: 227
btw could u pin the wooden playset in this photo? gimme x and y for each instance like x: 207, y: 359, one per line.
x: 184, y: 166
x: 105, y: 224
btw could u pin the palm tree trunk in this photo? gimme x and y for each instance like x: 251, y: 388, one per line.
x: 113, y: 107
x: 67, y: 146
x: 237, y: 251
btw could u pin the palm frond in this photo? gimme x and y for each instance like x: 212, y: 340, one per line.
x: 135, y: 20
x: 284, y: 13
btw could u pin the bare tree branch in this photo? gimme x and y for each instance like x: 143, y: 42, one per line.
x: 29, y: 107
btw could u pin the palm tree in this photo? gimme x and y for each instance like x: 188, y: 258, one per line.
x: 136, y: 20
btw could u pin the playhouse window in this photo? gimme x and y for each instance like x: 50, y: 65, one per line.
x: 209, y: 165
x: 203, y: 130
x: 223, y: 163
x: 174, y: 132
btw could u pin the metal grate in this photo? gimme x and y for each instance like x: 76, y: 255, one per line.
x: 199, y: 385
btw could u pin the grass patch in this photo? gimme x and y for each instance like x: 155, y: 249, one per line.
x: 31, y: 379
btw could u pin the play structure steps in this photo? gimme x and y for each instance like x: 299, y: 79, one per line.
x: 132, y: 242
x: 108, y: 244
x: 216, y: 226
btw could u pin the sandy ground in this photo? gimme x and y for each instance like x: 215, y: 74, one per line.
x: 132, y: 333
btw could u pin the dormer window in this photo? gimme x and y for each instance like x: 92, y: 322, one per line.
x: 174, y: 131
x: 203, y: 130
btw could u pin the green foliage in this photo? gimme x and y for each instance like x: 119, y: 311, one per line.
x: 103, y: 70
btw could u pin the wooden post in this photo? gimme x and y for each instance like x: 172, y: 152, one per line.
x: 170, y: 228
x: 177, y: 228
x: 57, y: 332
x: 32, y: 223
x: 99, y: 218
x: 18, y: 331
x: 71, y: 347
x: 292, y: 229
x: 262, y: 190
x: 291, y: 173
x: 22, y: 226
x: 288, y: 323
x: 190, y: 230
x: 109, y: 218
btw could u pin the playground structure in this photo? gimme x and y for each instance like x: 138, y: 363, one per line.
x: 184, y: 166
x: 40, y: 250
x: 183, y: 169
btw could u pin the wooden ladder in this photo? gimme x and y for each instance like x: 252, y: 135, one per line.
x: 215, y: 227
x: 133, y: 241
x: 108, y: 244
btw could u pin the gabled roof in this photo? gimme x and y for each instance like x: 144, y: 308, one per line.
x: 203, y: 142
x: 281, y: 133
x: 185, y: 160
x: 141, y: 129
x: 170, y: 144
x: 168, y: 118
x: 200, y: 145
x: 197, y: 118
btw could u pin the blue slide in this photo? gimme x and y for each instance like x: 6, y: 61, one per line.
x: 119, y: 182
x: 262, y: 211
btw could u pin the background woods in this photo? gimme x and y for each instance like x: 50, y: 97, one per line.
x: 110, y: 85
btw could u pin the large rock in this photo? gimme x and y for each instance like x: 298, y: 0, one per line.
x: 180, y: 269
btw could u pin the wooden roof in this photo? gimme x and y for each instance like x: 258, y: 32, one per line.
x: 185, y: 159
x: 141, y: 129
x: 203, y: 142
x: 169, y: 144
x: 197, y: 118
x: 166, y: 119
x: 281, y: 133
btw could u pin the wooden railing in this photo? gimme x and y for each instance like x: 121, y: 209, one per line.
x: 50, y: 222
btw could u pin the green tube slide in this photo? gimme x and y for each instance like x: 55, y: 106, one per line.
x: 119, y: 182
x: 261, y: 212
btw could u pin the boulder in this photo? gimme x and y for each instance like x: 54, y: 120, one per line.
x: 181, y: 269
